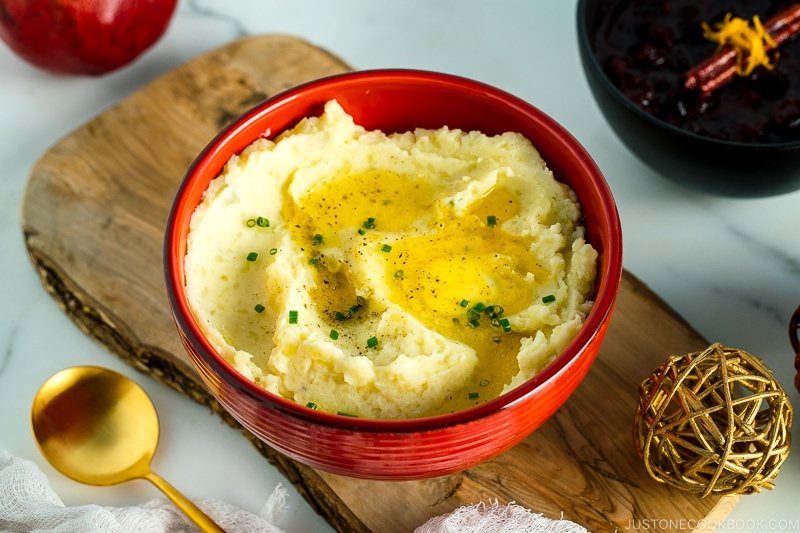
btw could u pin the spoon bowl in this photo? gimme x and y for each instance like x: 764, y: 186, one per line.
x: 99, y: 427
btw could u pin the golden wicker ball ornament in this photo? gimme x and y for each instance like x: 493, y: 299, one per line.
x: 713, y: 422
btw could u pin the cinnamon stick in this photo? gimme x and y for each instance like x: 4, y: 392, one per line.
x: 721, y: 67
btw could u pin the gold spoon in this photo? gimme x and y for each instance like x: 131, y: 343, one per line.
x: 98, y: 427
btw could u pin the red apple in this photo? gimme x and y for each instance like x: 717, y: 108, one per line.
x: 83, y: 36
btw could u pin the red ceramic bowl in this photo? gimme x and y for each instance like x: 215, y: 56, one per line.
x: 393, y: 101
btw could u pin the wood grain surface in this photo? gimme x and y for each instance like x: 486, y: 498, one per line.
x: 106, y: 189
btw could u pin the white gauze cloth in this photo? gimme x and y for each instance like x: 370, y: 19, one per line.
x: 496, y: 518
x: 29, y: 504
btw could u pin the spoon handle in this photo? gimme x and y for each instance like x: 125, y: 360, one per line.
x: 206, y: 524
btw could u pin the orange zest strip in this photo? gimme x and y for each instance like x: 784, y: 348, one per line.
x: 750, y: 42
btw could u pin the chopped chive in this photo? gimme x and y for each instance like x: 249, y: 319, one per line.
x: 251, y: 223
x: 506, y: 325
x: 464, y: 303
x: 491, y: 221
x: 474, y: 323
x: 262, y: 222
x: 334, y: 334
x: 479, y: 307
x: 472, y: 314
x: 342, y: 413
x: 493, y: 311
x: 273, y: 251
x: 361, y: 231
x: 497, y: 340
x: 318, y: 239
x: 252, y: 256
x: 339, y: 315
x: 399, y: 274
x: 386, y: 248
x: 496, y: 322
x: 292, y: 317
x: 474, y: 395
x: 311, y: 405
x: 369, y: 224
x: 548, y: 299
x: 313, y: 261
x: 259, y: 308
x: 456, y: 321
x: 372, y: 342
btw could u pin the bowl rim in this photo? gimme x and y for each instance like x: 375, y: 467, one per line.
x: 607, y: 285
x: 586, y: 50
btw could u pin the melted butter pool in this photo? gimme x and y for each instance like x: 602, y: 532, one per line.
x: 438, y: 264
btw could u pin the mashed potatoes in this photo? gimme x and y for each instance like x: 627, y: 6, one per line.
x: 388, y: 276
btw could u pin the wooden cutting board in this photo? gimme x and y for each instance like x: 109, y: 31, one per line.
x: 93, y: 217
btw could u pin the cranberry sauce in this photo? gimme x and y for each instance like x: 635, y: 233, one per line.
x: 646, y: 47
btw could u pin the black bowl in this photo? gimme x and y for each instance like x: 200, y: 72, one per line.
x: 732, y: 169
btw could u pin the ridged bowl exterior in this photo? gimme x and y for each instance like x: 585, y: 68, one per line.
x: 401, y: 100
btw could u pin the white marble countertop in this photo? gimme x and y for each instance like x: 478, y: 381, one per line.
x: 730, y: 267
